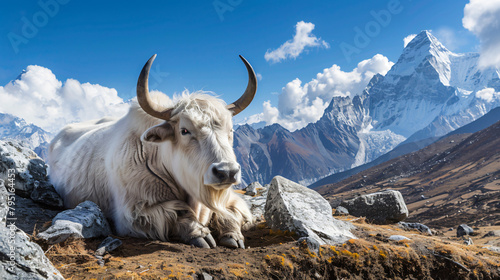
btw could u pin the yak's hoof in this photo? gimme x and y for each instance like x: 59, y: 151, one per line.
x: 203, y: 242
x: 210, y: 240
x: 229, y: 242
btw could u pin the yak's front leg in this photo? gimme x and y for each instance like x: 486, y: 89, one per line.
x: 230, y: 223
x: 172, y: 220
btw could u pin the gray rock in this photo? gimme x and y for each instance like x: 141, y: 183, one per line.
x: 416, y: 226
x: 468, y: 241
x: 384, y: 207
x: 26, y: 166
x: 85, y: 221
x: 205, y: 276
x: 293, y: 207
x: 107, y: 245
x: 311, y: 243
x: 464, y: 229
x: 341, y: 211
x: 19, y: 257
x: 398, y: 238
x: 492, y: 233
x: 30, y: 216
x: 4, y: 207
x: 22, y: 259
x: 45, y: 194
x: 493, y: 249
x: 251, y: 189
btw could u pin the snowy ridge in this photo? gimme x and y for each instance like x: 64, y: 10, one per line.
x: 30, y: 135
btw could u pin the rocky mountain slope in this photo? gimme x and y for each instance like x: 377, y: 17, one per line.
x: 455, y: 180
x: 405, y: 148
x: 429, y: 92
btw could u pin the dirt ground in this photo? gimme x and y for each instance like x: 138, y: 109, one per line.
x: 277, y: 255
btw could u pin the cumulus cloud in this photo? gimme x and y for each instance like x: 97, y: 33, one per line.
x: 488, y: 94
x: 481, y: 17
x: 302, y: 39
x: 40, y: 98
x: 300, y: 104
x: 408, y: 39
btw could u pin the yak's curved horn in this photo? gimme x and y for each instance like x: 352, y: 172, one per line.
x: 245, y: 100
x: 143, y: 94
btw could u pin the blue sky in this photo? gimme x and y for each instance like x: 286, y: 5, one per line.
x: 108, y: 42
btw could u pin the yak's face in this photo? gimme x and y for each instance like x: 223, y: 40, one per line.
x: 198, y: 143
x: 196, y: 137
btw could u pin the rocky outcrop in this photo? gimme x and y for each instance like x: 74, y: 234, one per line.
x: 22, y: 166
x: 384, y: 207
x: 19, y: 257
x: 85, y: 221
x: 293, y: 207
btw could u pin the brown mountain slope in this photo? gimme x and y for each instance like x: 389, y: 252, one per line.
x: 455, y: 180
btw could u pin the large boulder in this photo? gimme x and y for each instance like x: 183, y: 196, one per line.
x: 85, y: 221
x: 19, y: 257
x: 386, y: 207
x: 27, y: 168
x: 296, y: 208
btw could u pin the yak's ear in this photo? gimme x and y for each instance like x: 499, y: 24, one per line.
x: 158, y: 133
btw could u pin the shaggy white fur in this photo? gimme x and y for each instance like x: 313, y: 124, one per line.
x: 147, y: 175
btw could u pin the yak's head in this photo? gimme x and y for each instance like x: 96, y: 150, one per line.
x: 196, y: 135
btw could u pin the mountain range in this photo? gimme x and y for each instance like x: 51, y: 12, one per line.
x: 428, y: 92
x: 453, y: 181
x: 30, y: 135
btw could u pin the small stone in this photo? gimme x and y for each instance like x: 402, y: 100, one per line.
x: 464, y: 229
x: 398, y: 238
x: 251, y: 189
x: 492, y: 233
x: 205, y: 276
x: 468, y: 241
x: 341, y: 211
x: 107, y: 245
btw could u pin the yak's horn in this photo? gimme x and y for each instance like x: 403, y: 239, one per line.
x: 143, y: 94
x: 245, y: 100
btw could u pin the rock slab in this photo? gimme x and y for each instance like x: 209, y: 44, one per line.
x: 85, y: 221
x: 386, y: 207
x: 296, y: 208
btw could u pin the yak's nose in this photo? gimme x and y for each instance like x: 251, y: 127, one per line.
x: 223, y: 173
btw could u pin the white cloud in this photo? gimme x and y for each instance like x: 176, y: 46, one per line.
x: 293, y: 48
x: 259, y: 76
x: 488, y: 94
x: 481, y: 17
x: 40, y: 98
x: 300, y: 104
x: 408, y: 39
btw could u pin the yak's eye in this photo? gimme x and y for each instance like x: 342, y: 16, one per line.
x: 185, y: 131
